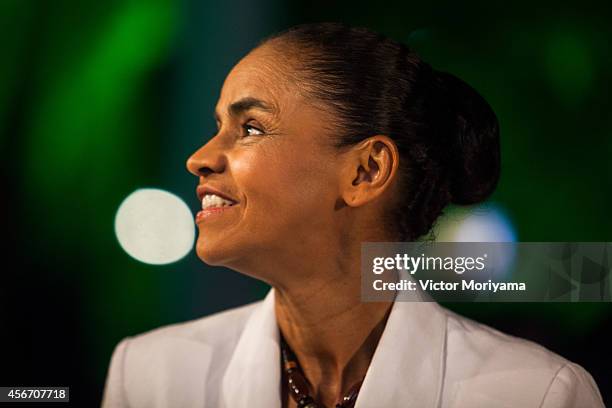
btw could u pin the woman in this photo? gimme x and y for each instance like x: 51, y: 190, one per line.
x: 330, y: 136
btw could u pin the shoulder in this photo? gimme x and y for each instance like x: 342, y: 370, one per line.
x: 178, y: 356
x: 213, y: 333
x: 474, y: 343
x: 484, y: 365
x: 212, y: 330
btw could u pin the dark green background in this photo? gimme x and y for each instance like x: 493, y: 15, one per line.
x: 100, y: 98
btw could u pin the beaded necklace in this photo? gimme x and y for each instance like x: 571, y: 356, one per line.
x: 298, y: 387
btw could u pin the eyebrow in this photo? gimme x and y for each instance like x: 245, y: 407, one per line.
x: 245, y: 104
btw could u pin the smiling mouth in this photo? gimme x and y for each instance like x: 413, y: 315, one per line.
x: 214, y: 201
x: 212, y: 205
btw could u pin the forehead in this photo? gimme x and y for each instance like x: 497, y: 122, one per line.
x: 258, y: 75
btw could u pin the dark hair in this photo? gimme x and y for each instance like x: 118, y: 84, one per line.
x: 446, y: 133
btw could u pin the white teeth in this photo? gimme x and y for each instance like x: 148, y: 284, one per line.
x: 212, y: 200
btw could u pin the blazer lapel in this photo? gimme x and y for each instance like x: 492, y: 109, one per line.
x: 408, y: 365
x: 252, y: 378
x: 406, y: 370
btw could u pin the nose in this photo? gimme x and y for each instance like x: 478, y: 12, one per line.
x: 206, y: 160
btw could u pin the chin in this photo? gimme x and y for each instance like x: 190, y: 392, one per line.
x: 227, y: 256
x: 226, y: 253
x: 211, y: 254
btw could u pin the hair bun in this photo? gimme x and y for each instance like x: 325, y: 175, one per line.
x: 474, y: 153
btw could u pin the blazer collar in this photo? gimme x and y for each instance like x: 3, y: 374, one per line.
x: 253, y: 376
x: 406, y: 370
x: 408, y: 365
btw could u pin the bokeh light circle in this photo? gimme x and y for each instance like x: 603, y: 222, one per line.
x: 154, y: 226
x: 484, y: 223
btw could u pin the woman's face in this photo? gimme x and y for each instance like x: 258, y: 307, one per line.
x: 273, y: 156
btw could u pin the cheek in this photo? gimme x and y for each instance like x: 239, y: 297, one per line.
x: 284, y: 185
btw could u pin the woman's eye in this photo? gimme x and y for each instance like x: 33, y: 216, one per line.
x: 250, y: 129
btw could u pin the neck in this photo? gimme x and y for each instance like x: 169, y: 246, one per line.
x: 332, y: 333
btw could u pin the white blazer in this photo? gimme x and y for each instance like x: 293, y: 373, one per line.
x: 427, y: 356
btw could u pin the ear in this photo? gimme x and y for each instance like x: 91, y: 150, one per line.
x: 370, y: 168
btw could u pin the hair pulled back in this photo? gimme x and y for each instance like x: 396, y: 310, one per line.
x: 446, y: 133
